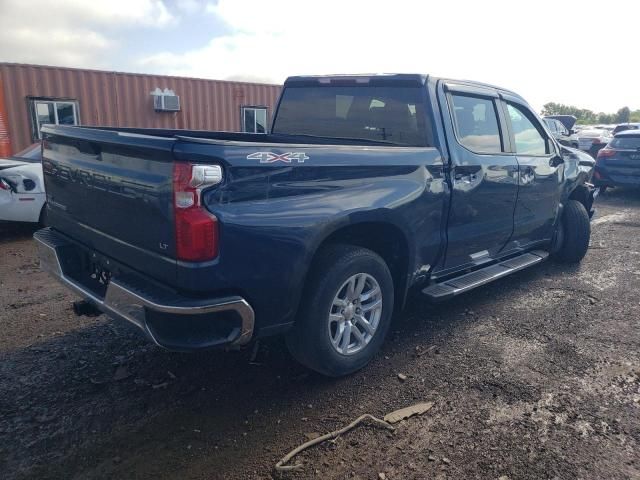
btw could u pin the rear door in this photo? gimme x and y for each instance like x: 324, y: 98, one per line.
x: 484, y: 175
x: 540, y: 174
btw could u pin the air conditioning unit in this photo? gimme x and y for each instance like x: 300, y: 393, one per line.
x: 165, y: 100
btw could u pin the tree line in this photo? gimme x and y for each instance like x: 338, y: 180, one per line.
x: 585, y: 116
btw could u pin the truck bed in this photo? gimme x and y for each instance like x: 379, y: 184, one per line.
x: 110, y: 192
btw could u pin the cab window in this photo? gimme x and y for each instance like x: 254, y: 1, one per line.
x: 561, y: 128
x: 476, y: 123
x: 529, y: 140
x: 551, y: 124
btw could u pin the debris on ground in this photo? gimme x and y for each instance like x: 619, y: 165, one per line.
x: 389, y: 419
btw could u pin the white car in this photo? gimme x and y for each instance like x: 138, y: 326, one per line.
x: 22, y: 196
x: 593, y: 140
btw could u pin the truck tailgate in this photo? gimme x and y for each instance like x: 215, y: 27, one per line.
x: 110, y: 184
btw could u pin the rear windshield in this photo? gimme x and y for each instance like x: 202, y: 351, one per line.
x: 622, y: 128
x: 626, y: 142
x: 392, y: 115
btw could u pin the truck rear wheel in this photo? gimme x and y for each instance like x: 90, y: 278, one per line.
x: 574, y: 233
x: 345, y: 311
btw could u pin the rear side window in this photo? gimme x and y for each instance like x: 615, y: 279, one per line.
x: 626, y: 142
x: 529, y: 140
x: 389, y: 114
x: 477, y: 123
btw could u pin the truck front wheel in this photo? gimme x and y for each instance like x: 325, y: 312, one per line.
x: 345, y: 311
x: 573, y: 234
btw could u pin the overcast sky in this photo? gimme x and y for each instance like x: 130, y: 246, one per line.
x: 564, y: 51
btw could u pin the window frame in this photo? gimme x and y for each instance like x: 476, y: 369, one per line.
x: 36, y: 134
x: 244, y: 108
x: 464, y: 91
x: 551, y: 148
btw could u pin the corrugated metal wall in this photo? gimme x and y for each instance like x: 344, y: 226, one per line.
x: 124, y: 99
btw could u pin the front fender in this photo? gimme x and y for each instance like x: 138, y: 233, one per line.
x: 578, y: 170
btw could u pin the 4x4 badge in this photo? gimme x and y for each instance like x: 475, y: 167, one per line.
x: 270, y: 157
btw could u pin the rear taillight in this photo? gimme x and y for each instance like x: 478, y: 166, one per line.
x: 196, y: 228
x: 606, y: 152
x: 4, y: 185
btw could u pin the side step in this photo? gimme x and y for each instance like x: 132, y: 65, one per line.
x: 455, y: 286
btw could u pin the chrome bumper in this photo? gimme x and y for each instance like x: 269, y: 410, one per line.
x: 121, y: 301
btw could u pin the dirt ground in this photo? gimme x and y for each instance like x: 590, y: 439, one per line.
x: 536, y: 376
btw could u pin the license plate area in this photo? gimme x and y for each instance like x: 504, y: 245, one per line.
x: 98, y: 273
x: 91, y: 271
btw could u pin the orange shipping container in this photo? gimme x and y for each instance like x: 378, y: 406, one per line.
x: 36, y: 94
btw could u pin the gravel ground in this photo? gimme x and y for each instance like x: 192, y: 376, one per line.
x: 535, y: 376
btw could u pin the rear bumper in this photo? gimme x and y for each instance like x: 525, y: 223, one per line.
x: 604, y: 177
x: 168, y: 319
x: 20, y: 207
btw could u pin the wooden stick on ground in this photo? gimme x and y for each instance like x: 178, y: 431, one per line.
x: 392, y: 417
x: 280, y: 466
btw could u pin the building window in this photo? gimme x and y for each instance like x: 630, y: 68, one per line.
x: 58, y: 112
x: 254, y: 119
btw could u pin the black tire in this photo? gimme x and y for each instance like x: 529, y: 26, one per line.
x: 574, y: 233
x: 309, y: 340
x: 42, y: 221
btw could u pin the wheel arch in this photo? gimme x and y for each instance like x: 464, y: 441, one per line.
x: 583, y: 195
x: 383, y: 237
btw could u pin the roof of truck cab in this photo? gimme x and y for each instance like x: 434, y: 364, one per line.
x: 374, y: 78
x: 416, y: 79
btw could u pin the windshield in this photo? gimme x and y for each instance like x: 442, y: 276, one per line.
x: 32, y: 154
x: 390, y: 114
x: 626, y: 142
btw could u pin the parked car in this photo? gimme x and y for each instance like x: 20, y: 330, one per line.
x: 568, y: 121
x: 559, y: 132
x: 592, y: 141
x: 626, y: 126
x: 22, y: 196
x: 618, y: 164
x: 367, y: 187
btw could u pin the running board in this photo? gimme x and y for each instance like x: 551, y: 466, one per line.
x: 464, y: 283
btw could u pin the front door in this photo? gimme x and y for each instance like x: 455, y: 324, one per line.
x: 484, y: 176
x: 540, y: 177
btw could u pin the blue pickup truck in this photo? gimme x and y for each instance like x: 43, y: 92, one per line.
x: 367, y: 188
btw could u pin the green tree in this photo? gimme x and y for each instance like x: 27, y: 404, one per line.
x: 586, y: 116
x: 605, y: 118
x: 582, y: 115
x: 623, y: 115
